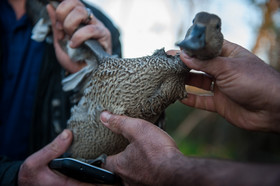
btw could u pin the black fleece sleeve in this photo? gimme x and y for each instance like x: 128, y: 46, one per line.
x: 9, y: 171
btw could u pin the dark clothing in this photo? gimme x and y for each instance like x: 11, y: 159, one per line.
x: 51, y: 108
x: 20, y: 73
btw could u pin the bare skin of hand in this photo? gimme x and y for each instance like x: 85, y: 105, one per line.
x: 152, y: 158
x: 35, y: 170
x: 66, y: 19
x: 246, y: 90
x: 150, y: 150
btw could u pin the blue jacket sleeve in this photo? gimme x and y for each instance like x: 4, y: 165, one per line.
x: 9, y: 171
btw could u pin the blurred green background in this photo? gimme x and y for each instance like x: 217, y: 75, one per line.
x: 205, y: 134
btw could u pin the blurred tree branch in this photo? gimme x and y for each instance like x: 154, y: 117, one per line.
x: 190, y: 122
x: 268, y: 38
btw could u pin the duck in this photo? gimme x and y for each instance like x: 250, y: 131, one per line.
x: 137, y: 87
x: 204, y: 39
x: 140, y: 87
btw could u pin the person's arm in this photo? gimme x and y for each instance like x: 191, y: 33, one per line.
x: 199, y: 171
x: 246, y: 90
x: 152, y: 158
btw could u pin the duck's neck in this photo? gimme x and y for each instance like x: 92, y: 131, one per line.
x: 19, y: 7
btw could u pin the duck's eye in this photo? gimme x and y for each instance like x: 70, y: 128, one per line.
x: 218, y: 26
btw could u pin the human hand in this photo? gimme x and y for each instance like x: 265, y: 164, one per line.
x: 35, y: 170
x: 66, y: 19
x: 147, y: 160
x: 152, y: 158
x: 246, y: 90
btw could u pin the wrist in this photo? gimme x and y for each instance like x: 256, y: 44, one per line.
x: 168, y: 168
x: 182, y: 170
x: 273, y: 107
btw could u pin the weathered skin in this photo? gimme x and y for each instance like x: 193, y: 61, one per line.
x: 140, y: 87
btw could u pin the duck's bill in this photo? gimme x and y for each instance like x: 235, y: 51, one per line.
x: 195, y: 40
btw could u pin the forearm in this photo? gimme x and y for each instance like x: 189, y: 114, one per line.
x: 195, y: 171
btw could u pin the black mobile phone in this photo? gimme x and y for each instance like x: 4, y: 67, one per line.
x: 82, y: 171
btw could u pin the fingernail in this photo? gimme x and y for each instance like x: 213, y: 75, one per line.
x: 64, y: 135
x: 104, y: 117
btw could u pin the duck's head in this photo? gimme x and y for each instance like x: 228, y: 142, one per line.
x: 204, y: 39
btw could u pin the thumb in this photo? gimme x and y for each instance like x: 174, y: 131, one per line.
x: 124, y: 125
x: 53, y: 150
x: 217, y: 65
x: 212, y: 66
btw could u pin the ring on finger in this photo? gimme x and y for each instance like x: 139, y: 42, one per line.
x: 212, y: 86
x: 89, y: 15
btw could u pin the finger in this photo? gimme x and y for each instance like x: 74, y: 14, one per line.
x: 85, y: 33
x: 126, y: 126
x: 228, y: 49
x: 212, y: 67
x: 58, y: 33
x: 74, y: 19
x: 106, y: 43
x: 200, y: 102
x: 65, y: 7
x: 203, y: 81
x: 94, y: 31
x: 53, y: 150
x: 173, y: 52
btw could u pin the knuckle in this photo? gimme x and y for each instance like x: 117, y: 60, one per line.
x: 27, y: 164
x: 60, y: 10
x: 144, y: 125
x: 26, y: 171
x: 80, y: 13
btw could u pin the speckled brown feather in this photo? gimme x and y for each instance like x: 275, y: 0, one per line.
x: 140, y: 87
